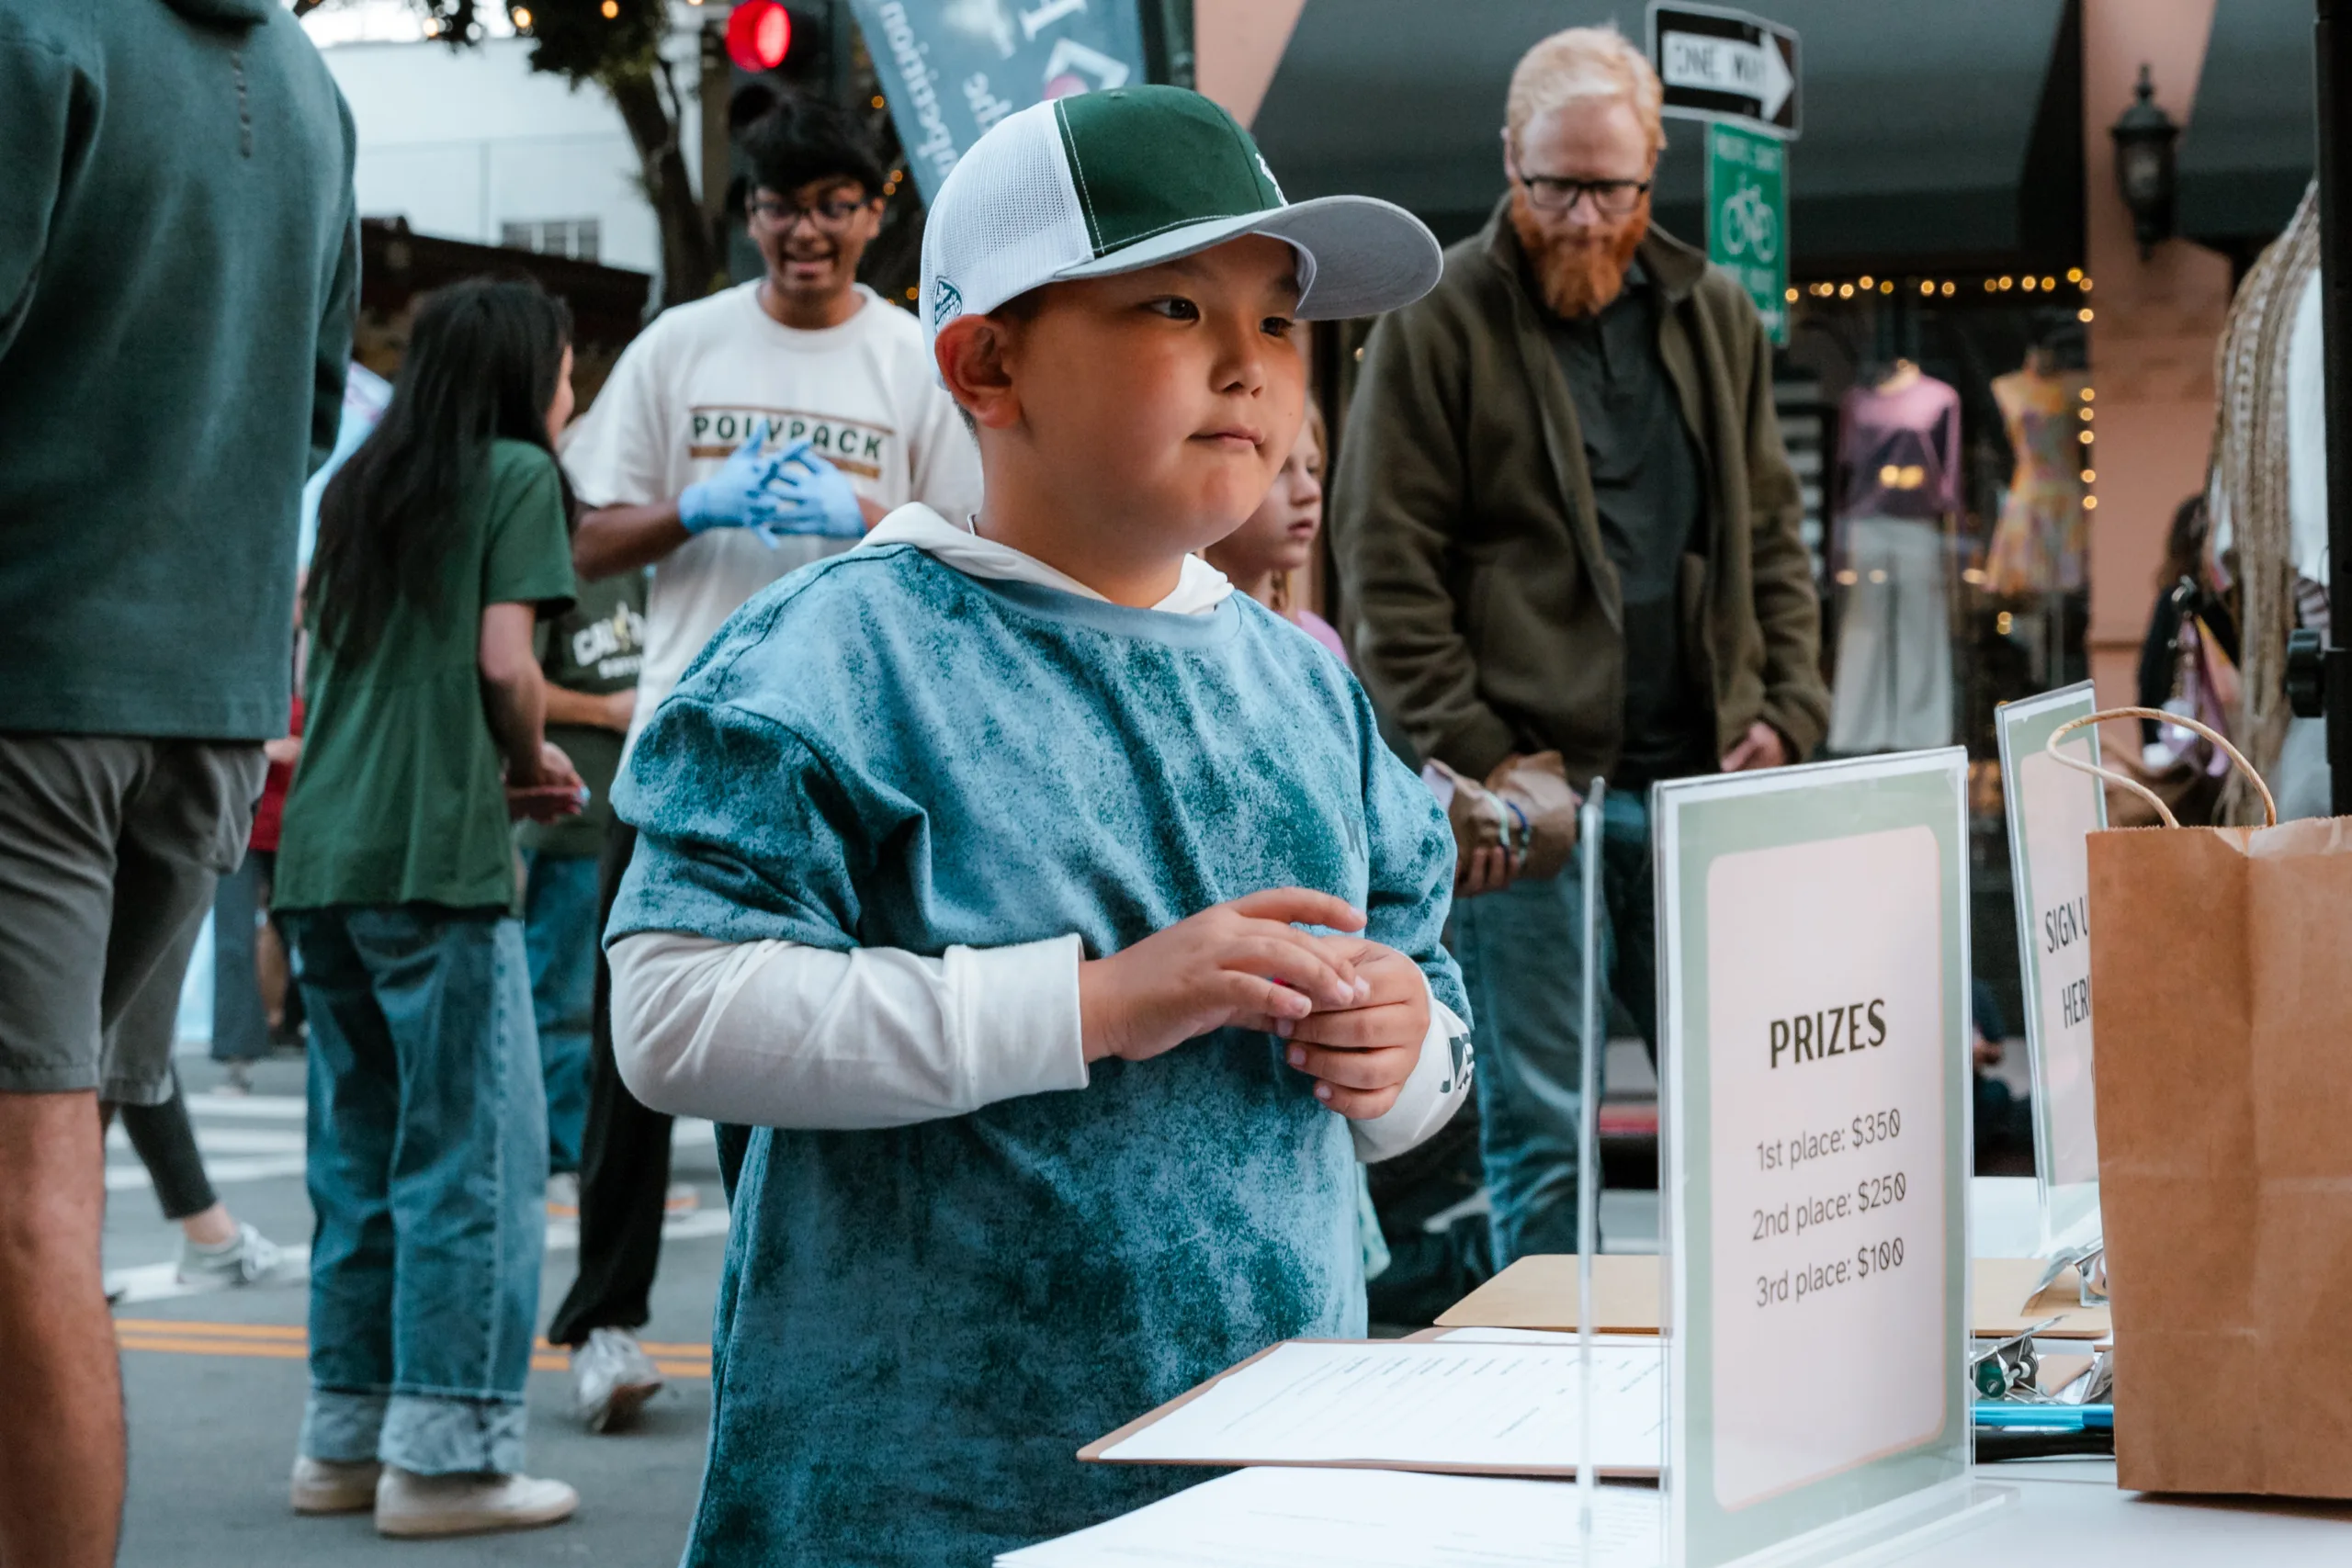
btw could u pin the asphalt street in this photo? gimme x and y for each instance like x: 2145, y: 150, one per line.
x: 214, y: 1381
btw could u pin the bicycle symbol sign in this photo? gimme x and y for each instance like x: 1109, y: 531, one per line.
x: 1748, y: 222
x: 1751, y: 229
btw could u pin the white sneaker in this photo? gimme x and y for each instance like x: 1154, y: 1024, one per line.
x: 611, y: 1377
x: 250, y: 1260
x: 329, y: 1486
x: 563, y: 1196
x: 412, y: 1505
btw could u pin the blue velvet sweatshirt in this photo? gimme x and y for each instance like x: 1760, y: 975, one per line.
x: 918, y: 1327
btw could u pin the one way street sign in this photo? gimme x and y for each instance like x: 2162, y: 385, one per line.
x: 1720, y: 64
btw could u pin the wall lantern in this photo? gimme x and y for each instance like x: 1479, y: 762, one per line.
x: 2143, y: 136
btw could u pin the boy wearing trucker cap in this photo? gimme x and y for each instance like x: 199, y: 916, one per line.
x: 976, y: 866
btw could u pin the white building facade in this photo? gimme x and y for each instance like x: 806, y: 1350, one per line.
x: 473, y: 144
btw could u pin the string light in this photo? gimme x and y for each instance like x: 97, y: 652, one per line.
x: 1946, y: 285
x: 2089, y: 394
x: 2090, y: 503
x: 611, y: 8
x: 1886, y: 285
x: 2084, y: 314
x: 522, y: 17
x: 2085, y: 438
x: 1926, y: 287
x: 1790, y: 295
x: 2006, y: 284
x: 2090, y: 476
x: 2048, y: 283
x: 2074, y: 275
x: 878, y: 102
x: 1865, y: 282
x: 1845, y: 291
x: 2028, y: 285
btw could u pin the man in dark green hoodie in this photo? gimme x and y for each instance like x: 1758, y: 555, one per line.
x: 178, y: 263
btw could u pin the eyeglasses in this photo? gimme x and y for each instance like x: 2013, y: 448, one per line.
x: 1611, y: 198
x: 830, y: 217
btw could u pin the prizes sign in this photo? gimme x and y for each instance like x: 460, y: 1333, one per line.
x: 951, y: 69
x: 1813, y: 929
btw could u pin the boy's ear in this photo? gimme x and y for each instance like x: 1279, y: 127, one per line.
x: 973, y: 353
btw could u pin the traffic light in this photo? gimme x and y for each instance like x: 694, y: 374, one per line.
x: 759, y: 35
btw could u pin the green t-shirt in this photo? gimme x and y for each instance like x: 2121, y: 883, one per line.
x: 399, y: 798
x: 596, y: 646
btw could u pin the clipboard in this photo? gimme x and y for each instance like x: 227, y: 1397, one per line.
x: 1097, y: 1452
x: 1540, y: 1291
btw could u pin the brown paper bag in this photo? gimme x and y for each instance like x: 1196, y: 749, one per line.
x: 2221, y: 1004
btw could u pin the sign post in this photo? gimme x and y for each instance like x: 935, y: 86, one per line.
x: 2052, y: 811
x: 1738, y: 73
x: 1747, y: 221
x: 1813, y: 931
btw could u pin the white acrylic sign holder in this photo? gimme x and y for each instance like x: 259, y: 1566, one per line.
x: 1816, y: 1171
x: 2051, y: 811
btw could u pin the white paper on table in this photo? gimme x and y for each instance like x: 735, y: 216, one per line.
x: 1416, y: 1403
x: 1365, y: 1518
x: 1546, y: 1337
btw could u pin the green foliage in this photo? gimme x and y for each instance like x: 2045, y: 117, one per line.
x: 569, y: 37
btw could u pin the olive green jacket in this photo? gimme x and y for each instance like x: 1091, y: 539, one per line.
x: 1484, y: 608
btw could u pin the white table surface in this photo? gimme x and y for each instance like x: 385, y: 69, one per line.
x: 2069, y: 1514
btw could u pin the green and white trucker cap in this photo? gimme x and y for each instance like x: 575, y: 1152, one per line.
x: 1108, y: 182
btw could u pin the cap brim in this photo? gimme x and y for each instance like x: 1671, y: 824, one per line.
x: 1365, y: 255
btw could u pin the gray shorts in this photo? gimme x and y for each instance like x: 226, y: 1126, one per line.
x: 109, y: 847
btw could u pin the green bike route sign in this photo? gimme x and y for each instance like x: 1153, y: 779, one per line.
x: 1747, y: 217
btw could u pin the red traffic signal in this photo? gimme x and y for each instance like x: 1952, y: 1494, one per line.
x: 759, y: 35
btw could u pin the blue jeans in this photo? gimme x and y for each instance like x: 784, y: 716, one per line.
x: 1523, y: 962
x: 560, y: 932
x: 428, y: 1170
x: 240, y: 1028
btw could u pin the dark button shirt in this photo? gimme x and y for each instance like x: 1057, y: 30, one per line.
x: 1645, y: 486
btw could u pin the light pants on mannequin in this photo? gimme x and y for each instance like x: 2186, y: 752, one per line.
x: 1893, y: 686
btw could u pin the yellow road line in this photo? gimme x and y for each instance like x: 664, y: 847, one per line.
x: 225, y: 1330
x: 274, y: 1350
x: 288, y: 1343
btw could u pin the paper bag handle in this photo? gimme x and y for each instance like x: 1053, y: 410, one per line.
x: 2269, y: 807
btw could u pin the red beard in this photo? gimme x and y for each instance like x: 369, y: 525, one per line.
x: 1580, y: 276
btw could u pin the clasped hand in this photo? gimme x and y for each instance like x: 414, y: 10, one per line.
x: 1352, y: 1011
x: 775, y: 493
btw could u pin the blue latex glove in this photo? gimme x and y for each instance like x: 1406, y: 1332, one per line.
x: 746, y: 492
x: 817, y: 497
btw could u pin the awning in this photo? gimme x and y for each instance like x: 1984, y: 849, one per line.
x: 1936, y: 134
x: 2249, y: 147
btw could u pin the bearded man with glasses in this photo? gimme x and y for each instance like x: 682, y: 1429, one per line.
x: 1567, y: 536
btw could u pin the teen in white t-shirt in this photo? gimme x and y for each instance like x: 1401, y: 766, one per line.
x: 806, y: 352
x: 701, y: 381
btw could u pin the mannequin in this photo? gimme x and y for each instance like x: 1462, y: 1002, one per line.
x: 1898, y: 483
x: 2038, y: 544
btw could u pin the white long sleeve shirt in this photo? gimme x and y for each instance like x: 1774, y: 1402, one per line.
x: 781, y: 1034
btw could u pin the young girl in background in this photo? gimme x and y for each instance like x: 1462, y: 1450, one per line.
x: 1267, y: 557
x: 442, y: 542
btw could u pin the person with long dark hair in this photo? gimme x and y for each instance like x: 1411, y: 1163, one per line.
x: 442, y: 541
